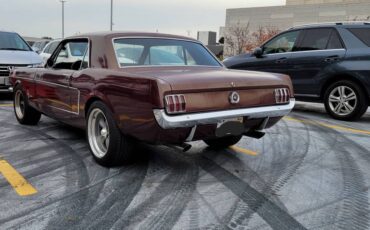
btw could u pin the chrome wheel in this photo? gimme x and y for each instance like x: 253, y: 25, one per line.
x: 19, y: 104
x: 342, y: 100
x: 98, y: 133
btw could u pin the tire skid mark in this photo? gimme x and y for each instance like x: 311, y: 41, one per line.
x: 169, y: 198
x: 354, y: 210
x: 128, y: 181
x: 270, y: 212
x: 116, y: 202
x: 47, y: 205
x: 290, y: 160
x: 83, y: 177
x: 240, y: 212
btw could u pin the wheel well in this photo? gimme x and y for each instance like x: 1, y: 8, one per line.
x: 339, y: 78
x: 89, y: 102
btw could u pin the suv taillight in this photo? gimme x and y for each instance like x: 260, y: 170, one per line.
x: 175, y: 103
x: 282, y: 96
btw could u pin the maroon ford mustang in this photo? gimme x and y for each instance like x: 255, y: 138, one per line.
x: 157, y: 88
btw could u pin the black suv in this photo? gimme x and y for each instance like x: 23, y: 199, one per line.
x: 328, y: 63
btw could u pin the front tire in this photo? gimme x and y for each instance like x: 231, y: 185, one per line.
x: 107, y: 145
x: 345, y: 100
x: 222, y: 142
x: 25, y: 114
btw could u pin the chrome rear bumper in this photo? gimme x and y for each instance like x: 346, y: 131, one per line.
x: 190, y: 120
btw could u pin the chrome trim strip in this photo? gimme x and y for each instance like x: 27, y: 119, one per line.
x: 190, y: 120
x: 306, y: 95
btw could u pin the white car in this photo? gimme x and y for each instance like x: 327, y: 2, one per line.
x: 72, y: 53
x: 14, y: 52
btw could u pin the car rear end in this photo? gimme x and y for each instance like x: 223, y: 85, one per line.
x: 217, y: 103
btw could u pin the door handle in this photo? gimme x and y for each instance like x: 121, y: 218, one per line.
x: 281, y: 60
x: 332, y: 59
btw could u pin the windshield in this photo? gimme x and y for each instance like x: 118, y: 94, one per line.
x: 161, y: 52
x: 12, y: 41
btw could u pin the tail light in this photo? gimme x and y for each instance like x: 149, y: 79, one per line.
x: 175, y: 104
x: 282, y: 96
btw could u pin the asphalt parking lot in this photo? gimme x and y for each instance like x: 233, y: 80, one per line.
x: 309, y: 172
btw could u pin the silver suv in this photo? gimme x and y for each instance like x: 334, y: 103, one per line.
x: 14, y: 52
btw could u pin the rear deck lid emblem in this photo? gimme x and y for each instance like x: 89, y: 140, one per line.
x: 234, y: 98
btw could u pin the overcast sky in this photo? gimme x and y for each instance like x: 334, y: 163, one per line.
x: 185, y: 17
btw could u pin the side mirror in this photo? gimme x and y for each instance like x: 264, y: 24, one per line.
x: 258, y: 52
x: 49, y: 63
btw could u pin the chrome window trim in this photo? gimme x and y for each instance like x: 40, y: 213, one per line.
x: 167, y: 38
x: 190, y: 120
x: 307, y: 51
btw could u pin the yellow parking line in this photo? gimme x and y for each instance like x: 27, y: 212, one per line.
x: 6, y: 105
x: 16, y: 180
x: 337, y: 127
x: 245, y: 151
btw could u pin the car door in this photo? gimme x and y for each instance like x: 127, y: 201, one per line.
x: 318, y: 49
x: 276, y: 54
x: 55, y: 95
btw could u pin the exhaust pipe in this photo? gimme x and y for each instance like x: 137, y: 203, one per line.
x: 254, y: 134
x: 183, y: 147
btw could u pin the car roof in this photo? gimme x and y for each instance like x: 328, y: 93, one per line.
x: 349, y: 24
x: 116, y: 34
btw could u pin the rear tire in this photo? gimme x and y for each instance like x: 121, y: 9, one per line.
x: 222, y: 142
x: 345, y: 100
x: 25, y: 114
x: 107, y: 144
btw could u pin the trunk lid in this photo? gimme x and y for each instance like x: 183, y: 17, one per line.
x: 209, y: 88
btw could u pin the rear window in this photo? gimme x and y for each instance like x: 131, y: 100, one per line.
x: 363, y: 34
x: 161, y: 52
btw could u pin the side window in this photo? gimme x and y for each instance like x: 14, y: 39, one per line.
x: 282, y: 43
x: 52, y: 47
x: 334, y: 41
x: 47, y: 48
x: 363, y: 34
x: 70, y: 55
x: 315, y: 39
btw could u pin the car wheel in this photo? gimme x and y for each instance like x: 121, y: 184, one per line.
x: 108, y: 146
x: 222, y: 142
x: 345, y: 100
x: 25, y: 114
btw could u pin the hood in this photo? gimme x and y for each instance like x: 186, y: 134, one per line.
x: 15, y: 57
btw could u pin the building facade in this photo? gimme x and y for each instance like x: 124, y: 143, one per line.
x: 297, y: 12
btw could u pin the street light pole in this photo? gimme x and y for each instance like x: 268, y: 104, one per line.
x: 62, y: 1
x: 111, y: 15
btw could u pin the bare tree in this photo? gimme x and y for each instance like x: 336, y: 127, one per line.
x: 237, y: 38
x: 263, y: 34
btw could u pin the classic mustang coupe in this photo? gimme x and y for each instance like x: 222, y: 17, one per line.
x: 156, y: 88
